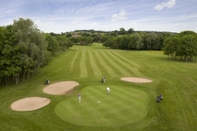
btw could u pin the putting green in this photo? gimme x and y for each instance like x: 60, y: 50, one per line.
x: 124, y: 105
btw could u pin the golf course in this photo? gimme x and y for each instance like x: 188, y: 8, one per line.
x: 135, y: 79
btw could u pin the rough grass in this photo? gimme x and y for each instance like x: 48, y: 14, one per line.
x: 87, y: 65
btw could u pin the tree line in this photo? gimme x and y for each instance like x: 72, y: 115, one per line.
x: 136, y: 41
x: 181, y: 46
x: 178, y: 46
x: 24, y: 49
x: 124, y: 39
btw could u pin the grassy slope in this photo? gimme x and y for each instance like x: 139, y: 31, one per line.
x: 175, y: 80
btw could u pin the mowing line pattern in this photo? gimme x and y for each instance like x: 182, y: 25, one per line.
x: 72, y: 63
x: 120, y: 65
x: 103, y: 70
x: 93, y: 65
x: 104, y: 64
x: 111, y: 64
x: 128, y: 63
x: 85, y: 62
x: 128, y: 107
x: 123, y: 106
x: 82, y: 65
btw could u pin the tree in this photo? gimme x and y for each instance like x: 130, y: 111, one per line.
x: 188, y: 47
x: 1, y: 56
x: 111, y: 43
x: 171, y: 45
x: 104, y: 38
x: 10, y: 64
x: 130, y: 31
x: 150, y: 41
x: 96, y: 37
x: 183, y: 45
x: 27, y: 44
x: 85, y: 34
x: 32, y: 45
x: 68, y: 35
x: 86, y: 40
x: 75, y: 40
x: 113, y: 33
x: 53, y: 45
x: 135, y: 42
x: 124, y: 42
x: 122, y: 31
x: 187, y: 32
x: 64, y: 42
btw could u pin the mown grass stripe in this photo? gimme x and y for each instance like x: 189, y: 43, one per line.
x: 103, y: 70
x: 82, y: 65
x: 133, y: 66
x: 124, y: 58
x: 60, y: 65
x: 76, y: 65
x: 90, y: 69
x: 120, y: 65
x: 124, y: 66
x: 93, y: 65
x: 113, y: 70
x: 73, y: 60
x: 104, y: 64
x: 110, y: 63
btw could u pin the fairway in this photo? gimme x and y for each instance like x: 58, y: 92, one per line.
x: 130, y: 106
x: 124, y: 105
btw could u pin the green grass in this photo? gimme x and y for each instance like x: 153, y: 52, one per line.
x: 129, y: 107
x: 123, y: 106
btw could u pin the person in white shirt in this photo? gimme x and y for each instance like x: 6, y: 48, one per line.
x: 108, y: 90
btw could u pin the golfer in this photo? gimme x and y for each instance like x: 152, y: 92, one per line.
x: 47, y: 81
x: 161, y: 97
x: 108, y: 90
x: 79, y: 97
x: 104, y: 79
x: 158, y: 99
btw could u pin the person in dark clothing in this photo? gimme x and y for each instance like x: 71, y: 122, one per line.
x: 158, y: 99
x: 161, y: 97
x: 102, y: 80
x: 47, y: 81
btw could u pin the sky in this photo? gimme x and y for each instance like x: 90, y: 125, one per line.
x: 104, y: 15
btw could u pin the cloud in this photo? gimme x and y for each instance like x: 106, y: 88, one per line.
x: 168, y: 4
x: 133, y: 24
x: 73, y: 22
x: 94, y: 24
x: 37, y: 21
x: 120, y: 16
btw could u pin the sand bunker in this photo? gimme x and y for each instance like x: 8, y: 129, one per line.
x: 60, y: 88
x: 136, y: 80
x: 30, y: 103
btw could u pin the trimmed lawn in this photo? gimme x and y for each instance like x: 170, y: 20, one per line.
x: 124, y: 105
x: 129, y: 107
